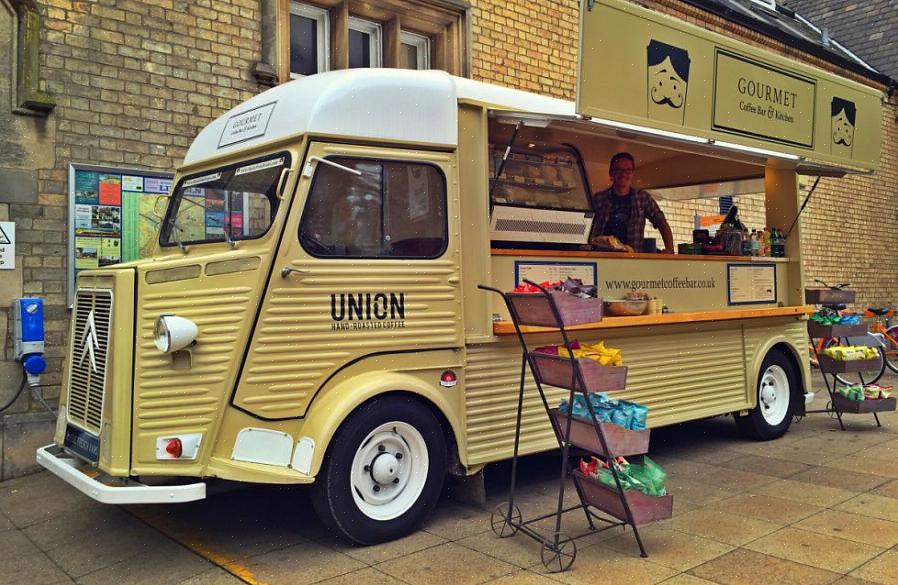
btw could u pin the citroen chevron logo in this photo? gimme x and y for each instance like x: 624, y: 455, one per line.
x: 89, y: 342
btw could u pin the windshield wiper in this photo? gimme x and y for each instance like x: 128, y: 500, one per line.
x: 178, y: 227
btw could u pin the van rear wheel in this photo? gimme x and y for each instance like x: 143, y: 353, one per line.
x: 777, y: 389
x: 383, y: 472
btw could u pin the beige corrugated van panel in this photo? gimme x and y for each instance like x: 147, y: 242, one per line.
x: 680, y: 372
x: 220, y: 295
x: 217, y: 287
x: 758, y: 335
x: 296, y: 347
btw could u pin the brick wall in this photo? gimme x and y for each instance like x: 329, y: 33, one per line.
x: 526, y: 45
x: 134, y: 82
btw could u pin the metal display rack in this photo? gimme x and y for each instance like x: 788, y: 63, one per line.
x: 832, y: 368
x: 604, y: 440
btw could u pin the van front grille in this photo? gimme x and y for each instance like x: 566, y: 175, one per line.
x: 87, y: 366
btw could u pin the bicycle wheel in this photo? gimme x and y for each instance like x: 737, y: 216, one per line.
x: 870, y: 376
x: 890, y: 348
x: 815, y: 346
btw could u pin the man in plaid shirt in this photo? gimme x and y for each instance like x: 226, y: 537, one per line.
x: 621, y: 210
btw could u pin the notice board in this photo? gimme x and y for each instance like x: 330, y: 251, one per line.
x: 112, y: 215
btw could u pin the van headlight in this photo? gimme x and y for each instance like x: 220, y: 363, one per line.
x: 172, y: 333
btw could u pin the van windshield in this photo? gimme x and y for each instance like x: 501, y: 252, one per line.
x: 234, y: 202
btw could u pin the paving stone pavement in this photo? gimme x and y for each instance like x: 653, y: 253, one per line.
x: 818, y: 506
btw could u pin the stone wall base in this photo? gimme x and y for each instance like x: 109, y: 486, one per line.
x: 20, y: 436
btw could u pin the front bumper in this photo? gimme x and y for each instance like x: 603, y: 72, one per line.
x: 109, y: 490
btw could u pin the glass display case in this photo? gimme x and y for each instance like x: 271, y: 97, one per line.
x: 538, y: 176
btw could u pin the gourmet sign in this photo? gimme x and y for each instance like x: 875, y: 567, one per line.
x: 756, y: 99
x: 638, y: 66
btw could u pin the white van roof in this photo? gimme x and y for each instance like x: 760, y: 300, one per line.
x: 380, y: 104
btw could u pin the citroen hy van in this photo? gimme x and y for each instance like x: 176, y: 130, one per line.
x: 332, y: 332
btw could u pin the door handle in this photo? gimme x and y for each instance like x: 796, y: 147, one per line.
x: 286, y: 270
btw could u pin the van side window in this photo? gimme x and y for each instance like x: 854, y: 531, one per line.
x: 394, y: 209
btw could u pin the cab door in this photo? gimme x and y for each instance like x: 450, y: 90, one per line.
x: 368, y: 266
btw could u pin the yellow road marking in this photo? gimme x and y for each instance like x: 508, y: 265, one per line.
x: 222, y: 561
x: 170, y: 530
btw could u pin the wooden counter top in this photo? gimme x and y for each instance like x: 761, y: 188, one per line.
x: 507, y: 327
x: 630, y: 255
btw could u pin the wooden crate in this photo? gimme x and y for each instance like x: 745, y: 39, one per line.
x: 534, y: 309
x: 816, y: 330
x: 621, y: 442
x: 825, y: 296
x: 864, y: 406
x: 645, y: 509
x: 830, y: 366
x: 557, y: 371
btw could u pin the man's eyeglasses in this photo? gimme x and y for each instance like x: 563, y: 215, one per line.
x: 623, y: 170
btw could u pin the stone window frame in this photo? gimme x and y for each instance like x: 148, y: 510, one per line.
x: 28, y: 97
x: 446, y: 23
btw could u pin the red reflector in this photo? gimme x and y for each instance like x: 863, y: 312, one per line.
x: 173, y: 448
x: 448, y: 379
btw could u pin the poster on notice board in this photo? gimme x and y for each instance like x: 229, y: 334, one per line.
x: 113, y: 216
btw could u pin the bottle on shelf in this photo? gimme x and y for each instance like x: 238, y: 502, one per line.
x: 755, y: 244
x: 779, y: 243
x: 764, y: 241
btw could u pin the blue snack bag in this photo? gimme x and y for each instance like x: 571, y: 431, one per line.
x: 639, y: 415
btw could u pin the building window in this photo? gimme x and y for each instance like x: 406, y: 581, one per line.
x: 309, y: 40
x: 414, y: 52
x: 365, y: 48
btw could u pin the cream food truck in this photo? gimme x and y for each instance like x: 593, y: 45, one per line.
x: 334, y: 334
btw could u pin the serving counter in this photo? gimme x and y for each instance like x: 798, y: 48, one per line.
x: 801, y: 312
x: 633, y: 255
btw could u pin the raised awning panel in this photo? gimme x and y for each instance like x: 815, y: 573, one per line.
x: 644, y: 68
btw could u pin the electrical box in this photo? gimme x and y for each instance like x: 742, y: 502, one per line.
x: 28, y: 327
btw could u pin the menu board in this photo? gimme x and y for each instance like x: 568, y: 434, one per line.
x: 113, y: 215
x: 539, y: 271
x: 751, y: 284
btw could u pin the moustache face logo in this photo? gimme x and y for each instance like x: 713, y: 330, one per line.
x: 667, y: 88
x: 665, y: 101
x: 844, y: 116
x: 667, y: 68
x: 843, y: 130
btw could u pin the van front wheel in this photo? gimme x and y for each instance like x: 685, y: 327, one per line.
x: 777, y: 388
x: 383, y: 472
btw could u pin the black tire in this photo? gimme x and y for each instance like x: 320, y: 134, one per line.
x: 777, y: 370
x: 342, y: 506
